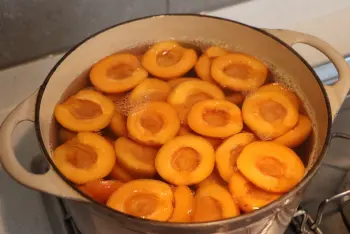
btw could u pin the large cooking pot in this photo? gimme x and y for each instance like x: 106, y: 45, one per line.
x: 273, y: 46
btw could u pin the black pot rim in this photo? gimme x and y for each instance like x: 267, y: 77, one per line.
x: 240, y: 220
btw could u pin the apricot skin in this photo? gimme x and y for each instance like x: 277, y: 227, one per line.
x: 118, y: 124
x: 213, y: 178
x: 150, y: 90
x: 100, y: 190
x: 183, y: 205
x: 65, y: 135
x: 175, y: 82
x: 120, y: 173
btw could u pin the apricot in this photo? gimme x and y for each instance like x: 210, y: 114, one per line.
x: 65, y: 135
x: 175, y: 82
x: 215, y: 142
x: 215, y: 118
x: 168, y: 60
x: 227, y: 153
x: 298, y: 134
x: 203, y: 64
x: 144, y: 198
x: 120, y: 173
x: 239, y: 72
x: 236, y: 98
x: 247, y: 195
x: 271, y: 166
x: 269, y: 114
x: 183, y: 204
x: 100, y: 190
x: 117, y: 73
x: 213, y: 178
x: 150, y: 90
x: 137, y: 158
x: 186, y: 94
x: 213, y: 202
x: 88, y: 110
x: 185, y: 160
x: 153, y: 123
x: 118, y: 124
x: 86, y: 158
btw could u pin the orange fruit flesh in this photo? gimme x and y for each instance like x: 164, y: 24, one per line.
x: 183, y: 204
x: 100, y: 190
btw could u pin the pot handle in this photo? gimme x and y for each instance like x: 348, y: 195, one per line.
x: 336, y: 92
x: 49, y: 182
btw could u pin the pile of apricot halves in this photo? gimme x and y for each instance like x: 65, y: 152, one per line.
x: 177, y: 148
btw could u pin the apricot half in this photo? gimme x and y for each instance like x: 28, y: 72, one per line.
x: 186, y: 94
x: 298, y: 134
x: 137, y: 158
x: 185, y: 160
x: 248, y: 196
x: 213, y: 178
x: 153, y: 123
x: 183, y: 204
x: 213, y: 202
x: 88, y: 110
x: 86, y: 158
x: 175, y: 82
x: 100, y: 190
x: 215, y: 118
x: 239, y: 72
x: 203, y: 64
x: 271, y: 166
x: 150, y: 90
x: 228, y: 152
x: 144, y: 198
x: 269, y: 114
x: 120, y: 173
x: 117, y: 73
x: 169, y: 60
x: 236, y: 98
x: 118, y: 124
x: 65, y: 135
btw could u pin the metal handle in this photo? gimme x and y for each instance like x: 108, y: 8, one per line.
x: 49, y: 182
x: 336, y: 92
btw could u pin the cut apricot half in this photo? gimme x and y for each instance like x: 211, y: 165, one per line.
x: 118, y: 124
x: 298, y: 134
x: 239, y: 72
x: 153, y: 123
x: 213, y: 202
x: 271, y: 166
x: 150, y: 90
x: 88, y: 110
x: 169, y: 60
x: 227, y: 153
x: 100, y: 190
x: 144, y: 198
x: 183, y: 204
x: 185, y: 160
x: 269, y: 114
x: 135, y: 157
x: 248, y: 196
x: 117, y: 73
x: 175, y: 82
x: 186, y: 94
x: 65, y: 135
x: 86, y: 158
x: 236, y: 98
x: 215, y: 118
x: 203, y: 64
x: 120, y: 173
x: 213, y: 178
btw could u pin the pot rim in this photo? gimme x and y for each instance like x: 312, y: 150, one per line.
x: 243, y: 218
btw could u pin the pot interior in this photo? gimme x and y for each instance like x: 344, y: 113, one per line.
x: 71, y: 73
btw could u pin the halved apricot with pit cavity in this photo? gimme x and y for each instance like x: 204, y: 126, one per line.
x: 298, y: 134
x: 120, y: 173
x: 169, y: 60
x: 203, y: 64
x: 269, y: 114
x: 88, y: 110
x: 100, y: 190
x: 185, y: 160
x: 86, y: 158
x: 213, y: 178
x: 175, y: 82
x: 117, y: 73
x: 186, y: 94
x: 144, y: 198
x: 153, y: 123
x: 228, y: 152
x: 150, y: 90
x: 248, y: 196
x: 271, y: 166
x: 215, y: 118
x: 239, y: 72
x: 137, y: 158
x: 65, y: 135
x: 213, y: 202
x: 118, y: 124
x: 183, y: 204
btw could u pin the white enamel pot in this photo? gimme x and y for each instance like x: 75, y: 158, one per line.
x: 273, y: 46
